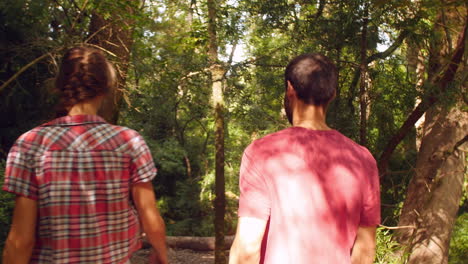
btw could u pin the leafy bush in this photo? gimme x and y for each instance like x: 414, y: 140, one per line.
x: 458, y: 252
x: 185, y: 213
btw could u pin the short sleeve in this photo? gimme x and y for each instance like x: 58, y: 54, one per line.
x: 370, y: 212
x: 254, y: 198
x: 143, y: 169
x: 20, y: 176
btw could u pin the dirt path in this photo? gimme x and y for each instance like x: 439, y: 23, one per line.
x: 177, y: 256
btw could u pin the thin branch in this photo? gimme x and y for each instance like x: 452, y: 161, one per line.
x: 80, y: 12
x: 24, y: 68
x: 269, y: 65
x: 65, y: 11
x: 111, y: 43
x: 379, y: 55
x: 96, y: 32
x: 231, y: 56
x: 75, y: 4
x: 320, y: 9
x: 353, y: 64
x: 103, y: 49
x: 123, y: 44
x: 384, y: 54
x: 187, y: 122
x: 455, y: 147
x: 398, y: 227
x: 389, y: 205
x: 446, y: 30
x: 191, y: 74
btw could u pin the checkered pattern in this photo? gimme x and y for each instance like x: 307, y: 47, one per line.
x: 80, y: 170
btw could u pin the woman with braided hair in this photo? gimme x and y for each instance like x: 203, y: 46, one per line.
x: 83, y: 187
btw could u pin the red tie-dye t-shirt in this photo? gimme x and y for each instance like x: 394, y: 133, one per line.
x: 315, y: 188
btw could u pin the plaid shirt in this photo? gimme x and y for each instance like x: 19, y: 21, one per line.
x: 80, y: 170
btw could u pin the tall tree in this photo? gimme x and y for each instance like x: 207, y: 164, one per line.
x: 363, y: 86
x: 217, y: 73
x: 434, y: 193
x: 113, y: 32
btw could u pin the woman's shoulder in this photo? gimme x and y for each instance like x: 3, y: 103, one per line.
x: 33, y: 136
x: 129, y: 137
x: 128, y: 133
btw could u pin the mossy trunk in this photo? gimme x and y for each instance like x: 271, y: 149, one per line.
x: 217, y: 75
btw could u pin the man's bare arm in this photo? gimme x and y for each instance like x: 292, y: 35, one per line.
x: 152, y: 222
x: 248, y: 241
x: 20, y: 242
x: 364, y: 246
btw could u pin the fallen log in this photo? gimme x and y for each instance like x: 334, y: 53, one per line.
x: 193, y: 243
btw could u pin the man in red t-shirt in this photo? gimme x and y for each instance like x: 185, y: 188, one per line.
x: 308, y: 194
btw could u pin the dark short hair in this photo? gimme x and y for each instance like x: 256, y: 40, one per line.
x: 314, y: 78
x: 84, y: 74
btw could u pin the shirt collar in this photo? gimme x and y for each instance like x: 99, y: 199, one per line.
x: 76, y: 120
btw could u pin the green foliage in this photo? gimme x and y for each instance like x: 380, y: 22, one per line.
x: 186, y: 213
x: 458, y: 252
x: 387, y: 248
x: 7, y: 202
x: 24, y: 28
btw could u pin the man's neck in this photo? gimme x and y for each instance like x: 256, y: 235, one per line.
x: 310, y: 117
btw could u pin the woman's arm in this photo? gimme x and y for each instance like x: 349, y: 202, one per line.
x: 20, y: 242
x: 153, y: 224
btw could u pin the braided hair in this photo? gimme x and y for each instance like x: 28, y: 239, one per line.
x: 84, y: 74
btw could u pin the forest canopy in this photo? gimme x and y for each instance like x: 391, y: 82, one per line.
x: 201, y: 79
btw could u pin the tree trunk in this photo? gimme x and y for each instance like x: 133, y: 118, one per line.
x: 416, y: 68
x: 114, y: 37
x: 435, y: 191
x: 363, y: 93
x: 217, y: 75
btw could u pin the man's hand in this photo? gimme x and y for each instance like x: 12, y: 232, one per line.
x: 248, y: 241
x: 364, y: 246
x: 20, y: 242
